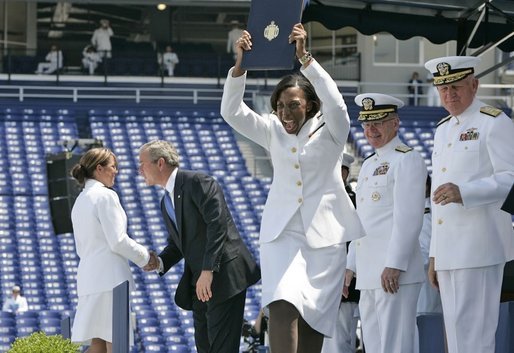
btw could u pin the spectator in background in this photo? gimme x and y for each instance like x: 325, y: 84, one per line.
x: 233, y: 35
x: 54, y: 62
x: 345, y: 334
x: 433, y: 99
x: 346, y: 160
x: 415, y: 89
x: 16, y: 303
x: 168, y: 60
x: 101, y: 39
x: 90, y: 59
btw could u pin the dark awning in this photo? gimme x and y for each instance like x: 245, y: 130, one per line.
x: 439, y: 22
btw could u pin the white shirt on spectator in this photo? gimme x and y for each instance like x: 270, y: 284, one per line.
x: 16, y: 304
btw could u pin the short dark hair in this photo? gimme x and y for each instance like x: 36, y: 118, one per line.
x: 297, y: 80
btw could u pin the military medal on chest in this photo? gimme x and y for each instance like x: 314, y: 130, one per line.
x: 381, y: 169
x: 469, y: 134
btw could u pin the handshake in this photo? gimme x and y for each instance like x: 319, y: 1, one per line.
x: 153, y: 263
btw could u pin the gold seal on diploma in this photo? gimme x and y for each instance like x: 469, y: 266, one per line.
x: 271, y: 31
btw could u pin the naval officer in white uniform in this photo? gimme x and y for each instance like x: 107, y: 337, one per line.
x: 308, y: 216
x: 387, y: 261
x: 473, y: 170
x: 104, y: 248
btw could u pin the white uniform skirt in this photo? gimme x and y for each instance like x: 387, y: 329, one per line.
x: 93, y: 319
x: 310, y: 279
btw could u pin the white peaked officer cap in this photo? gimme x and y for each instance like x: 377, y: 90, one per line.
x: 451, y: 69
x: 346, y: 159
x: 376, y: 106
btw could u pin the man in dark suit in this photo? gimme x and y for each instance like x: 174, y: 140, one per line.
x: 218, y: 266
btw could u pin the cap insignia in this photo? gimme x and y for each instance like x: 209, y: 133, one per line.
x: 368, y: 103
x: 443, y: 69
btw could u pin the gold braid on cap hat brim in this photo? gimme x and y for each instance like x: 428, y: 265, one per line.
x: 370, y: 115
x: 454, y: 77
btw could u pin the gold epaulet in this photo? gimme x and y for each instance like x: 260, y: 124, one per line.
x: 491, y: 111
x: 403, y: 148
x: 369, y: 156
x: 443, y: 120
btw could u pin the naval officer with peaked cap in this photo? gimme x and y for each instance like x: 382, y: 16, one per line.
x: 473, y: 170
x: 390, y: 203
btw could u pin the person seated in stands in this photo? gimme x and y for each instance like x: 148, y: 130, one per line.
x: 168, y: 60
x: 54, y: 62
x: 90, y: 59
x: 15, y: 303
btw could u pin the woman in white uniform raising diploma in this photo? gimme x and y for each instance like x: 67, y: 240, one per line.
x: 308, y: 215
x: 100, y: 230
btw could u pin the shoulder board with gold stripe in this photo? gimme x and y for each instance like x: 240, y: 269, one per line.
x: 491, y: 111
x: 371, y: 155
x: 427, y: 210
x: 443, y: 120
x: 403, y: 148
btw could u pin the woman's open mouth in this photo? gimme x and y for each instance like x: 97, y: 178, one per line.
x: 289, y: 125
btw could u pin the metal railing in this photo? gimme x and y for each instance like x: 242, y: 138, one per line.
x: 134, y: 94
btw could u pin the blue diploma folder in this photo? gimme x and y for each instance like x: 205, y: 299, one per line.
x: 270, y: 23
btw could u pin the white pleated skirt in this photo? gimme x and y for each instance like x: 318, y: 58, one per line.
x: 310, y: 279
x: 93, y: 319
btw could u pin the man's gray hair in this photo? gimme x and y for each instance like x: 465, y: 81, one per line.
x: 162, y: 149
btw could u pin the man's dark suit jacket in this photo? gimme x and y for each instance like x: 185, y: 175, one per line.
x: 508, y: 204
x: 207, y: 239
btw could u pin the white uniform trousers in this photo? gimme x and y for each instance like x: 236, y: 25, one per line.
x: 389, y: 320
x: 345, y: 333
x: 471, y: 306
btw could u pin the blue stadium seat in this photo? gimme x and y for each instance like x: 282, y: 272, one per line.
x: 431, y: 333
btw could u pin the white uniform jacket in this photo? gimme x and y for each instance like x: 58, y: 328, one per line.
x: 100, y: 230
x: 101, y: 39
x: 390, y: 197
x: 306, y: 174
x: 475, y: 151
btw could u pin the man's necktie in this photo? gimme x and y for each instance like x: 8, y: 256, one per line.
x: 169, y: 207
